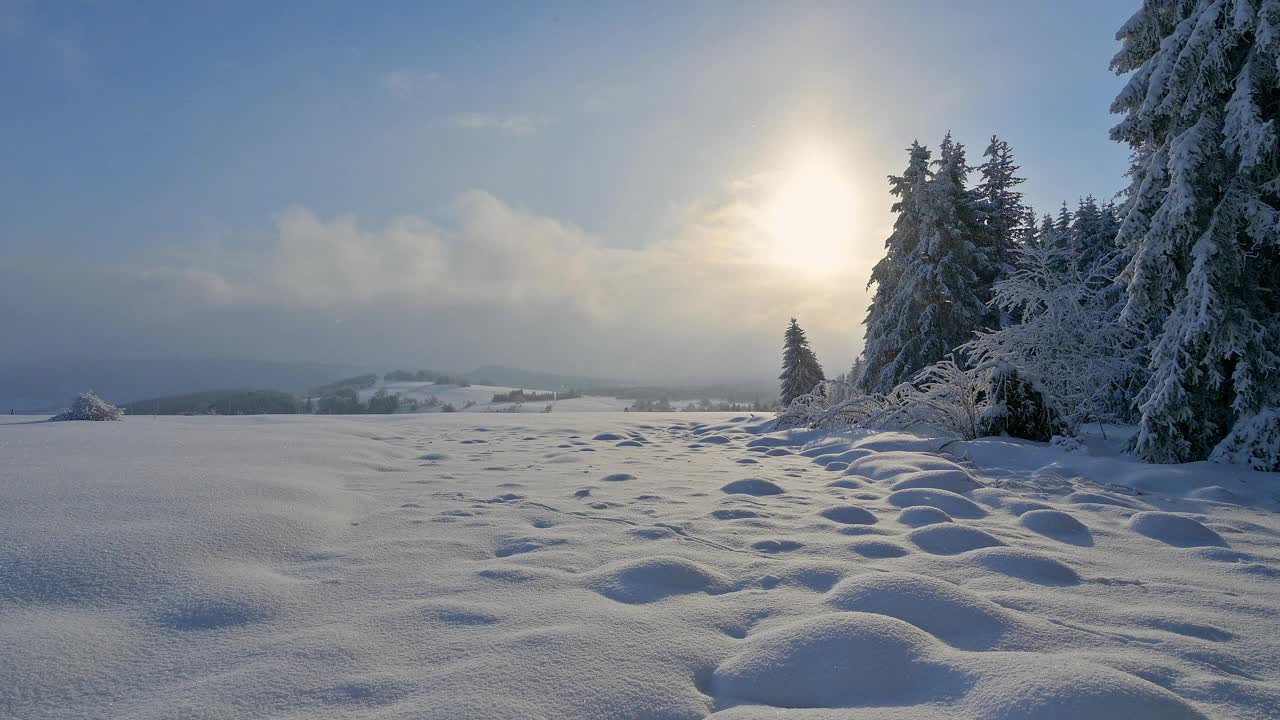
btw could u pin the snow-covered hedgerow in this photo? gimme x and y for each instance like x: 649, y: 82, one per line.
x: 90, y: 407
x: 832, y: 404
x: 965, y: 403
x: 1253, y: 442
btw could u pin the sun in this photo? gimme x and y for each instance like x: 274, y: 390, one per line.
x: 809, y: 220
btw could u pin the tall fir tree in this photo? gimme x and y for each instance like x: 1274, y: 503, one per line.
x: 889, y: 315
x: 1000, y: 210
x: 1202, y: 220
x: 929, y: 297
x: 1093, y: 236
x: 1047, y: 235
x: 801, y: 371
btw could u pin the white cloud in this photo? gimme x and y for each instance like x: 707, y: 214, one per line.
x: 512, y: 124
x: 490, y: 282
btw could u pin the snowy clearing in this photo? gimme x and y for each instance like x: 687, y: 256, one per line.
x: 622, y: 566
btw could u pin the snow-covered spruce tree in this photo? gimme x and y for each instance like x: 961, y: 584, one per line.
x: 1000, y: 208
x: 1093, y: 232
x: 801, y: 372
x: 1201, y: 109
x: 1047, y: 234
x: 929, y: 298
x: 889, y: 316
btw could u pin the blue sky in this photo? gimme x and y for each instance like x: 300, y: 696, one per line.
x: 173, y: 137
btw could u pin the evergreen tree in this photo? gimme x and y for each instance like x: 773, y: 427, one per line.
x: 1001, y: 210
x: 1202, y: 222
x: 1047, y: 235
x: 1093, y: 236
x: 1028, y: 233
x: 801, y: 372
x: 886, y: 360
x: 929, y: 299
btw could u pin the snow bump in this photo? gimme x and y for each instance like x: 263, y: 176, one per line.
x: 952, y: 539
x: 752, y: 486
x: 1176, y: 530
x: 953, y: 504
x: 836, y: 660
x: 954, y: 615
x: 650, y: 579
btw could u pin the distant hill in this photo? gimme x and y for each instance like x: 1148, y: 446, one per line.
x: 220, y: 402
x: 49, y: 384
x: 535, y: 380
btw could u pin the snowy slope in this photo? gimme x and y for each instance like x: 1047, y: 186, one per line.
x: 602, y: 565
x: 482, y: 395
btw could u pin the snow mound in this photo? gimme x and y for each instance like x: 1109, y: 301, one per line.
x: 878, y: 549
x: 618, y: 477
x: 608, y: 436
x: 1024, y: 565
x: 952, y: 614
x: 752, y: 486
x: 847, y: 483
x: 650, y: 579
x: 1218, y: 494
x: 892, y: 463
x: 1176, y: 530
x: 1069, y: 689
x: 836, y: 660
x: 1057, y: 525
x: 953, y: 504
x: 952, y: 539
x: 956, y: 481
x: 846, y: 457
x: 849, y: 515
x: 734, y: 514
x: 921, y: 515
x: 1094, y: 498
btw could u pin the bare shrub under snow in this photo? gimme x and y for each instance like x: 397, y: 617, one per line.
x: 944, y: 397
x: 964, y: 403
x: 90, y: 407
x: 832, y: 404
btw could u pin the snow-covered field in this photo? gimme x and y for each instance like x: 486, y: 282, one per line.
x: 482, y: 396
x: 611, y: 565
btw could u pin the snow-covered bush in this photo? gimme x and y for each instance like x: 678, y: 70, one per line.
x: 832, y: 404
x: 1018, y: 406
x: 943, y: 396
x: 1068, y: 342
x: 1068, y: 443
x: 90, y: 407
x: 965, y: 403
x: 1254, y: 442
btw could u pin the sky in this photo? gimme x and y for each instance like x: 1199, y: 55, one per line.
x: 640, y: 190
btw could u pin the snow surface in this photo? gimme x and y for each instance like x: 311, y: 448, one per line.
x: 609, y: 565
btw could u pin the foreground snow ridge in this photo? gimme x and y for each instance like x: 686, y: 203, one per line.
x: 605, y: 565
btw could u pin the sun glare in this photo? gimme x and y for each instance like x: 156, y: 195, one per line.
x: 809, y: 220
